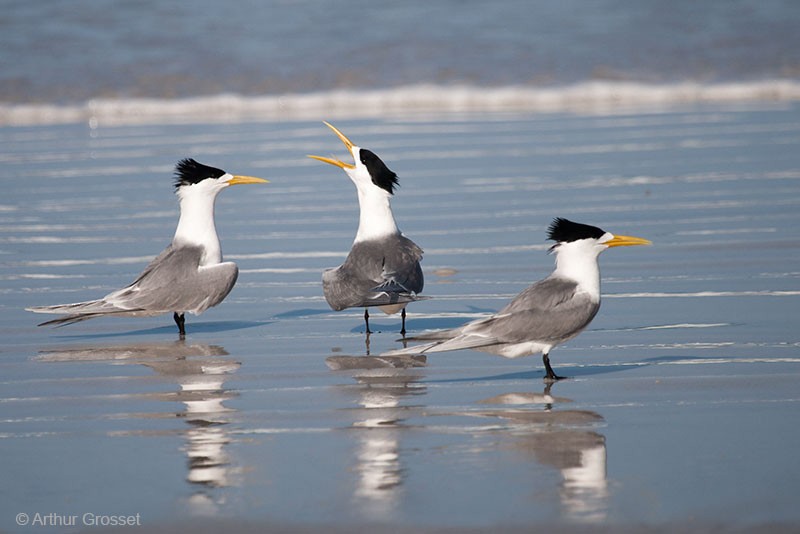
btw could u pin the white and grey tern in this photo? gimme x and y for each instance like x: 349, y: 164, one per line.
x: 382, y: 268
x: 189, y: 276
x: 548, y: 312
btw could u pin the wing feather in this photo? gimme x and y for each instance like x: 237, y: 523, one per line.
x: 172, y: 282
x: 376, y: 273
x: 549, y: 312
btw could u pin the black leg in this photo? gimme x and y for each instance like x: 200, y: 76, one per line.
x: 547, y: 386
x: 366, y: 320
x: 403, y: 327
x: 549, y: 374
x: 180, y: 320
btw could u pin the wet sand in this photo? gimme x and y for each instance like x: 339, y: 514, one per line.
x: 682, y: 403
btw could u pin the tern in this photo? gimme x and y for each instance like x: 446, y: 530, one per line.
x: 382, y: 268
x: 545, y: 314
x: 189, y: 275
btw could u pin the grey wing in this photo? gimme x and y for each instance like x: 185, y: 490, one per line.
x: 375, y: 273
x: 550, y: 310
x: 171, y: 282
x: 545, y: 294
x: 175, y: 282
x: 400, y: 269
x: 113, y: 303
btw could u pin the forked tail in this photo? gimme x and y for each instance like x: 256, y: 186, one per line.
x: 79, y: 311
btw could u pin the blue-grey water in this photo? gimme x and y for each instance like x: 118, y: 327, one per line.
x: 286, y: 57
x: 63, y: 51
x: 681, y: 412
x: 678, y: 122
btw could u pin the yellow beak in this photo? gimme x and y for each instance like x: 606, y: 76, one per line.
x: 236, y: 180
x: 626, y: 241
x: 347, y: 142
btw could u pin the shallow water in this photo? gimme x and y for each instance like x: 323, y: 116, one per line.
x: 138, y: 63
x: 682, y: 407
x: 152, y: 50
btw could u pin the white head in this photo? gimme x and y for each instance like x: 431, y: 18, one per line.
x: 195, y: 180
x: 577, y: 248
x: 375, y: 183
x: 197, y: 187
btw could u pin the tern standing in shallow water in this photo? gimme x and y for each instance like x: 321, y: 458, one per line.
x: 547, y: 313
x: 189, y: 275
x: 382, y: 268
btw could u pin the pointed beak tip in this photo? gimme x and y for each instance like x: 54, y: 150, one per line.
x: 628, y: 241
x: 331, y: 161
x: 343, y: 138
x: 239, y: 180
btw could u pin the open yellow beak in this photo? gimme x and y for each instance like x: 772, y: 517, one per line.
x: 626, y: 241
x: 236, y: 180
x: 347, y: 142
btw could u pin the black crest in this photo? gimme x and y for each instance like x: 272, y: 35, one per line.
x: 565, y: 231
x: 188, y: 172
x: 380, y: 173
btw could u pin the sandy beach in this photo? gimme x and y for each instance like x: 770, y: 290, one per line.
x: 681, y: 410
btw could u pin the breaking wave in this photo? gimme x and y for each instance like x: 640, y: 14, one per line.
x: 582, y: 97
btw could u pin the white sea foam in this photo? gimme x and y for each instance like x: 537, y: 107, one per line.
x: 484, y: 250
x: 710, y: 361
x: 285, y: 255
x: 42, y: 276
x: 98, y: 261
x: 47, y: 239
x: 291, y: 270
x: 684, y: 325
x: 704, y: 294
x: 588, y: 97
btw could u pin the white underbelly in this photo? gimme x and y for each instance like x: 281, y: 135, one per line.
x: 390, y: 309
x: 517, y: 350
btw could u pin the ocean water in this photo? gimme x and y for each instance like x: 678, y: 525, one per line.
x: 678, y: 123
x: 204, y: 60
x: 681, y: 410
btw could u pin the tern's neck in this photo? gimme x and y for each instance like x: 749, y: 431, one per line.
x: 196, y: 226
x: 376, y: 219
x: 580, y: 266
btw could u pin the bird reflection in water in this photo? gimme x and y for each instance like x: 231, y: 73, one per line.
x: 385, y: 384
x: 200, y: 370
x: 564, y: 439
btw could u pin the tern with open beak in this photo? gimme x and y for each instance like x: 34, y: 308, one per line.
x: 382, y: 268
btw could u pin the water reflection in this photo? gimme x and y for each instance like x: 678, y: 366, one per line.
x: 538, y: 426
x: 384, y: 388
x: 564, y: 439
x: 200, y: 371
